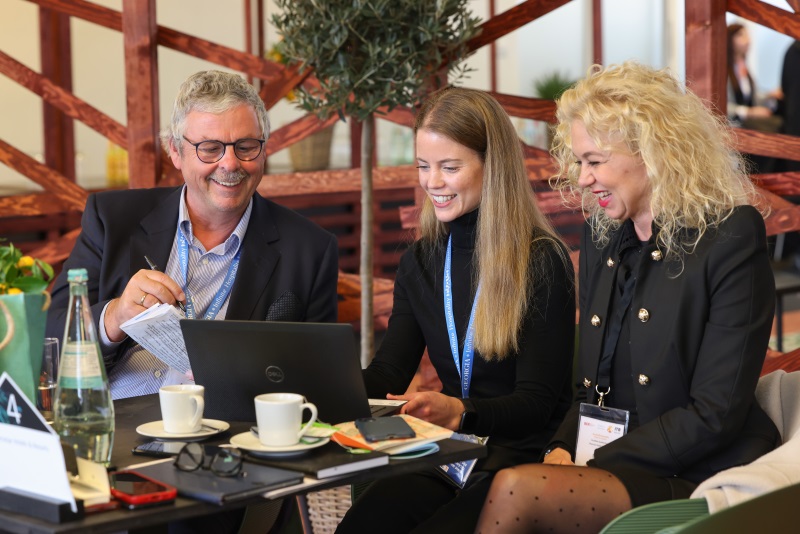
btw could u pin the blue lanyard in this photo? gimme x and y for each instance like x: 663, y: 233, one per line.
x: 469, y: 349
x: 222, y: 292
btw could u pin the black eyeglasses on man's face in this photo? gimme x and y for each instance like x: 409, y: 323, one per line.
x: 212, y: 151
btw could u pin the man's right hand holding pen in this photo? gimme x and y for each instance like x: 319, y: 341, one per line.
x: 146, y: 288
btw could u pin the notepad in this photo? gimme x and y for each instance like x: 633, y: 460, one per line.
x: 158, y: 330
x: 426, y: 433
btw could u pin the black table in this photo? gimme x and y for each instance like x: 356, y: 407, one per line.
x: 135, y: 411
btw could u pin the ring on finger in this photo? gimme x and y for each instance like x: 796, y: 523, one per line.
x: 141, y: 300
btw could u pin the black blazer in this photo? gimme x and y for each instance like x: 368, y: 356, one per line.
x: 695, y: 360
x: 288, y: 269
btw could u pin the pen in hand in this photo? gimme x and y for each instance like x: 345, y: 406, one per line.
x: 154, y: 267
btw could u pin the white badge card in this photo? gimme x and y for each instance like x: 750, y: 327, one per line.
x: 598, y: 426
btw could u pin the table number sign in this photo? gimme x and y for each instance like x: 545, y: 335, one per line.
x: 31, y: 459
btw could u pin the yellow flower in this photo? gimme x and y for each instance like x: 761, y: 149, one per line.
x: 14, y: 291
x: 25, y: 261
x: 2, y: 289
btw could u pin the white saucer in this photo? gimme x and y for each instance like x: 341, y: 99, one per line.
x: 210, y: 427
x: 250, y: 443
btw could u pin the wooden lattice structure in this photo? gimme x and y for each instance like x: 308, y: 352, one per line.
x: 63, y: 199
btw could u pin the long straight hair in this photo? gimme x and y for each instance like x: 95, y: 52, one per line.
x: 508, y: 219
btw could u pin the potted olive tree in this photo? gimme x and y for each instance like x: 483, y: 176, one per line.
x: 367, y: 55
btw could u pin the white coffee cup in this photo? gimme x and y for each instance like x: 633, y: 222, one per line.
x: 279, y: 417
x: 182, y: 408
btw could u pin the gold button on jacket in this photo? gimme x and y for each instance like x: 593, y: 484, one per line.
x: 644, y: 380
x: 596, y: 321
x: 644, y: 315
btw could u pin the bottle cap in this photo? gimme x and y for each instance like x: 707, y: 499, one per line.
x: 77, y: 275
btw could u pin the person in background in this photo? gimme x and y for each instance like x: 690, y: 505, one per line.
x: 225, y: 251
x: 746, y: 108
x: 676, y: 306
x: 488, y: 290
x: 790, y: 83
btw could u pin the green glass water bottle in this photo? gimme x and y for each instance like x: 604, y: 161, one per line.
x: 83, y: 411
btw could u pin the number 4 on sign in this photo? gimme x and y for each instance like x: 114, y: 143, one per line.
x: 16, y: 408
x: 12, y: 410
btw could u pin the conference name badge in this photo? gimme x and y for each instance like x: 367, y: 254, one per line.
x: 598, y: 426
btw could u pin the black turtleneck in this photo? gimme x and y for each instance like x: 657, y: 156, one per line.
x: 520, y: 400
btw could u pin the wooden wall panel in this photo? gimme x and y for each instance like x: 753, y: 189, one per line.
x: 141, y: 73
x: 56, y: 58
x: 705, y: 45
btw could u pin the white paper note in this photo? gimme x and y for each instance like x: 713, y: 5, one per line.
x: 158, y: 330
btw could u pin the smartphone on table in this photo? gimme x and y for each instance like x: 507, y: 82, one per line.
x: 135, y: 490
x: 380, y: 428
x: 159, y: 449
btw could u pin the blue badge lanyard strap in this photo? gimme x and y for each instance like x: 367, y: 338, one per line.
x: 469, y: 348
x: 222, y: 292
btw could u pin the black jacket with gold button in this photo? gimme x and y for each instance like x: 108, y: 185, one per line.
x: 698, y: 337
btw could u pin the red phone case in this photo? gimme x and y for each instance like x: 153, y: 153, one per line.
x: 165, y: 492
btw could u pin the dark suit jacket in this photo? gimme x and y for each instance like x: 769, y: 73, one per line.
x: 701, y: 351
x: 288, y: 269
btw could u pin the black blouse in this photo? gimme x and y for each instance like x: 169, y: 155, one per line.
x: 520, y: 400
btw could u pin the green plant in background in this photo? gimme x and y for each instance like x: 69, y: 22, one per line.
x: 552, y: 85
x: 22, y: 274
x: 370, y: 54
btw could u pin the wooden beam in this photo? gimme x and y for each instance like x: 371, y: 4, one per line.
x: 33, y: 204
x: 141, y: 74
x: 510, y: 20
x: 336, y: 181
x: 784, y: 183
x: 527, y: 108
x: 56, y: 56
x: 296, y: 130
x: 88, y: 11
x: 71, y: 105
x: 767, y: 144
x: 705, y: 43
x: 284, y: 78
x: 597, y: 32
x: 71, y: 194
x: 784, y: 217
x: 770, y: 16
x: 57, y: 251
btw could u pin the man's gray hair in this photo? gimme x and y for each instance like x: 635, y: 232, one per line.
x: 212, y: 91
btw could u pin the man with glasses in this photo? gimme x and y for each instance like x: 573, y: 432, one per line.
x: 213, y: 245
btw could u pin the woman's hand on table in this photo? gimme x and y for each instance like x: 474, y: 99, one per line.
x: 431, y: 406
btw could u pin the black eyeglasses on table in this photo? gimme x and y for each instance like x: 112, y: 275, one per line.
x: 227, y: 462
x: 212, y: 151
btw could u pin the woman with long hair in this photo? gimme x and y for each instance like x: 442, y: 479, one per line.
x: 487, y: 289
x: 676, y: 306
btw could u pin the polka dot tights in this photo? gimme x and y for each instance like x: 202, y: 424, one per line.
x: 552, y: 498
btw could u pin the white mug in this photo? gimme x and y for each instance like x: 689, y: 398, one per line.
x: 279, y: 417
x: 181, y: 408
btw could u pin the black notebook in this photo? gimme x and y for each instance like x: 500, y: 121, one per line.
x: 327, y: 461
x: 204, y: 485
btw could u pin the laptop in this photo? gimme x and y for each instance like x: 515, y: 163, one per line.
x: 237, y: 360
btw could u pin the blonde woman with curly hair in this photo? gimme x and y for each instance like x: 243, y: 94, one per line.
x: 676, y: 305
x: 488, y: 291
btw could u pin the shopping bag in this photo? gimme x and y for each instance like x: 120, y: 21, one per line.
x: 22, y: 323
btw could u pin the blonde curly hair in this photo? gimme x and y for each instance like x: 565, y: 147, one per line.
x: 696, y: 177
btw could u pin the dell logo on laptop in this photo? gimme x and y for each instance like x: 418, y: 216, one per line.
x: 274, y: 373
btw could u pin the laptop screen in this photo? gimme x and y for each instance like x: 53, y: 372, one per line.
x: 237, y: 360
